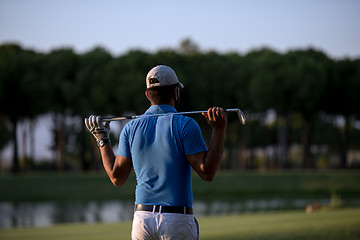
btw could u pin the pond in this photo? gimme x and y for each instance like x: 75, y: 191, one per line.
x: 42, y: 214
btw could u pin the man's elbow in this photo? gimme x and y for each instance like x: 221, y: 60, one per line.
x: 208, y: 178
x: 118, y: 182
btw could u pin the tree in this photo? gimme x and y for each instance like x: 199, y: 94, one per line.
x: 188, y: 46
x: 16, y: 68
x: 306, y: 72
x: 342, y: 99
x: 58, y: 71
x: 89, y: 79
x: 269, y: 89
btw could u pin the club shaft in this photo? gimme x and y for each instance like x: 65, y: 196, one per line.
x: 109, y: 119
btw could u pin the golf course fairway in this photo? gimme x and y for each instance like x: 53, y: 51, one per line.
x: 325, y: 224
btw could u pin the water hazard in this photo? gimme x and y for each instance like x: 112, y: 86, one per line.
x: 42, y: 214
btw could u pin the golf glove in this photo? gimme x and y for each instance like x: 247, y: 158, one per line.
x: 98, y: 129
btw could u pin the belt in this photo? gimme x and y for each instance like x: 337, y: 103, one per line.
x: 163, y: 209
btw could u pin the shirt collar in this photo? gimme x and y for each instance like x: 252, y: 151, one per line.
x: 159, y: 109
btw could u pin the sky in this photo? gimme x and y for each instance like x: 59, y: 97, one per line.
x: 332, y: 26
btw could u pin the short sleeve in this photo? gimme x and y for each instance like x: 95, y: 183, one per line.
x: 192, y: 138
x: 124, y: 146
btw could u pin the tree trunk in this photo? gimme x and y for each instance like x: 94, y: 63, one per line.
x: 241, y: 150
x: 59, y: 137
x: 96, y: 156
x: 32, y: 144
x: 15, y: 166
x: 1, y: 162
x: 343, y: 141
x: 306, y: 143
x: 85, y: 164
x: 283, y: 139
x: 265, y: 144
x: 344, y: 158
x: 23, y: 154
x: 61, y: 142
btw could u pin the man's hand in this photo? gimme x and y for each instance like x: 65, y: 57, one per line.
x: 216, y: 117
x: 208, y: 162
x: 99, y: 130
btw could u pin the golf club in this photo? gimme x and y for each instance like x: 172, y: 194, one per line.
x: 241, y: 115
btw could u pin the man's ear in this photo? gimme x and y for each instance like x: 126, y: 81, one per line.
x: 177, y: 93
x: 147, y: 95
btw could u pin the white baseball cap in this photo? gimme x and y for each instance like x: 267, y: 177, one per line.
x: 161, y: 75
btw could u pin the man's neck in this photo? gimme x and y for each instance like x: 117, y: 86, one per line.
x: 171, y: 103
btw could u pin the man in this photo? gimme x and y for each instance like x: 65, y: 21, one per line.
x: 163, y: 150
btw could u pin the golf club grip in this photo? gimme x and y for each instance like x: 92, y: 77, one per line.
x: 109, y: 119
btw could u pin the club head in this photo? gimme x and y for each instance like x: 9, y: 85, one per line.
x: 241, y: 116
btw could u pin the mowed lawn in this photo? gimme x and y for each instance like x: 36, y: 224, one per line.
x: 325, y: 224
x: 228, y: 185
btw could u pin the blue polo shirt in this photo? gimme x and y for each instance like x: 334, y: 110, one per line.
x: 158, y: 146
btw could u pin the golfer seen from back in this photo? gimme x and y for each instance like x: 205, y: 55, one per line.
x: 162, y: 150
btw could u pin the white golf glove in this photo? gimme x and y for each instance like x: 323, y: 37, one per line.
x: 100, y: 131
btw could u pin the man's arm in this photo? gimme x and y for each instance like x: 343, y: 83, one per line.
x: 207, y: 163
x: 117, y: 168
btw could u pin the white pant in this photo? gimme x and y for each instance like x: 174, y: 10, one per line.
x: 164, y: 226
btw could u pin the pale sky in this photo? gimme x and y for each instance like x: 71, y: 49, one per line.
x: 332, y: 26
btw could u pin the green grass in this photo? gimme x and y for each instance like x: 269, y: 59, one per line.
x: 286, y: 184
x: 227, y: 185
x: 63, y: 186
x: 335, y: 224
x: 325, y: 224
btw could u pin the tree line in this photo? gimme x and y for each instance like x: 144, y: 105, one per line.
x: 302, y: 106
